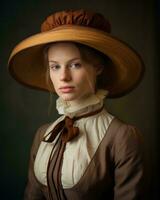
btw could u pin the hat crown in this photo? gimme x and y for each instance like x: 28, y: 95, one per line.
x: 76, y: 17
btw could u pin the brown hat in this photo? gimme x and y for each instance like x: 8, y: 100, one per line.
x: 26, y: 62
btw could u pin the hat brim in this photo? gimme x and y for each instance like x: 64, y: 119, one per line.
x: 26, y: 63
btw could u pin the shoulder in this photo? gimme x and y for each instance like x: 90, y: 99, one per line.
x: 120, y: 130
x: 125, y: 137
x: 39, y: 136
x: 41, y: 131
x: 45, y: 128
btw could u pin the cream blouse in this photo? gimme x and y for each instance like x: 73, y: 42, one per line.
x: 79, y: 151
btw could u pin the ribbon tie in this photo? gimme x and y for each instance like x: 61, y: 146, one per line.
x: 66, y: 128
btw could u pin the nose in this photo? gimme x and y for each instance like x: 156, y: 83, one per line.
x: 65, y: 74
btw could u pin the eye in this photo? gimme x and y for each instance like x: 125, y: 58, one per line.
x: 54, y: 67
x: 75, y: 65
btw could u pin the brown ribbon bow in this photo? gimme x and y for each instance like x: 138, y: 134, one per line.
x: 68, y: 131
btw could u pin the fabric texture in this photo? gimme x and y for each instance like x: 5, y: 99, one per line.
x: 78, y: 17
x: 91, y: 132
x: 116, y: 172
x: 104, y: 162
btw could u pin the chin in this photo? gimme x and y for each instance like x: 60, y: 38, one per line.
x: 68, y: 97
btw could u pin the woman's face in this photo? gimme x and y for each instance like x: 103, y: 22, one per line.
x: 73, y: 79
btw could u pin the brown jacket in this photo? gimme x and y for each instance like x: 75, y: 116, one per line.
x: 115, y: 172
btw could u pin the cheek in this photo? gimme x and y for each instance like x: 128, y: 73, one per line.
x: 90, y: 77
x: 86, y: 80
x: 53, y: 79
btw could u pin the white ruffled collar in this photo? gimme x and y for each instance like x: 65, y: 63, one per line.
x: 90, y: 104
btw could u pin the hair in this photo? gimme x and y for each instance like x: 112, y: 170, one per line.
x: 96, y: 58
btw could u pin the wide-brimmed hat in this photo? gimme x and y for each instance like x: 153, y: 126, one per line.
x: 26, y: 62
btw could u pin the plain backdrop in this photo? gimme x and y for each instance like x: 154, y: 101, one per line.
x: 23, y: 110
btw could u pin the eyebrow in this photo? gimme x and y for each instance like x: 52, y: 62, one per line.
x: 67, y: 62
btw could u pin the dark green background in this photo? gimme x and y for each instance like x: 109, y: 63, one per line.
x: 24, y: 110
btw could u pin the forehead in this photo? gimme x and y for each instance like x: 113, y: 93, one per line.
x: 63, y: 49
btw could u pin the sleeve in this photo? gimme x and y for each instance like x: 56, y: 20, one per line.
x: 33, y: 189
x: 128, y: 164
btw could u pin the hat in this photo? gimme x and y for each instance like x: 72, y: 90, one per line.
x: 26, y: 62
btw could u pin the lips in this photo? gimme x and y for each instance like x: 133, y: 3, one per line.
x: 66, y: 89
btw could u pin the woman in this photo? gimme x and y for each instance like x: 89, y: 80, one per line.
x: 87, y: 153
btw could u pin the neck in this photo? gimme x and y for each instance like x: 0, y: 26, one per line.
x: 81, y: 105
x: 79, y: 100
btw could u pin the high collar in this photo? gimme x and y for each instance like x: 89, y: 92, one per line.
x: 91, y: 103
